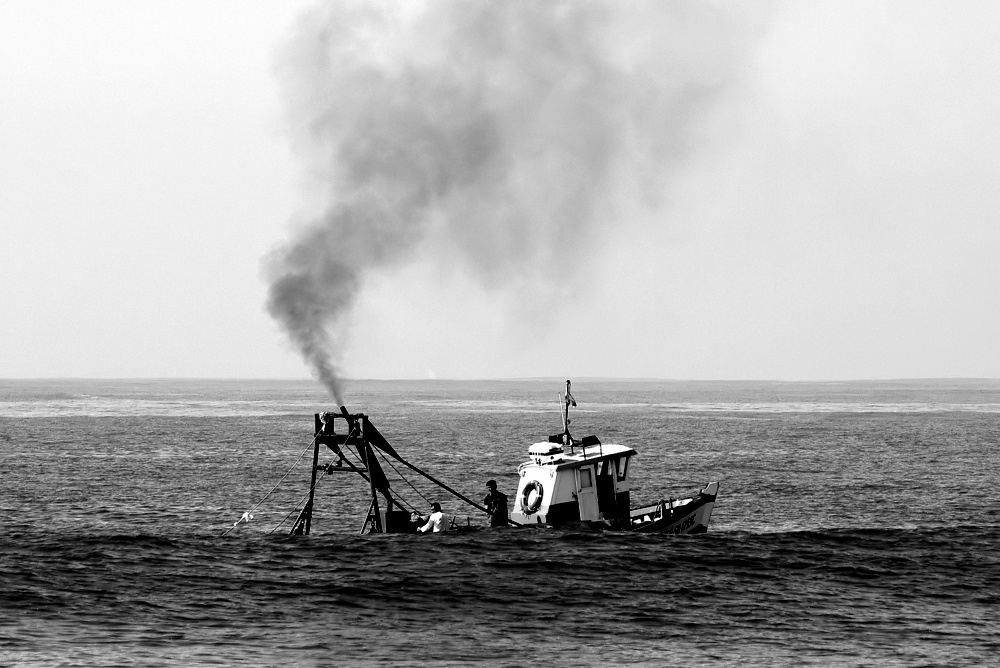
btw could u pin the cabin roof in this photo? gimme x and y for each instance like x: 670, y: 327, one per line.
x: 593, y: 453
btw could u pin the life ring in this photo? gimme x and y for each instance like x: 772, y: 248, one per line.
x: 531, y: 497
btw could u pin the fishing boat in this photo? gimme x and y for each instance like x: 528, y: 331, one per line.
x: 565, y: 482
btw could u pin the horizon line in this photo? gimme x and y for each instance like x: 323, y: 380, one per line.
x: 637, y: 379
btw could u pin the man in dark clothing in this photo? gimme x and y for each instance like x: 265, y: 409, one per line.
x: 496, y: 504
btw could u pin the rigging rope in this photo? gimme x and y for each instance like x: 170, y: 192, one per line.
x: 298, y: 503
x: 403, y: 477
x: 248, y: 515
x: 396, y: 495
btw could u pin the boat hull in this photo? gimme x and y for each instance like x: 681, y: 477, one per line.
x: 677, y: 516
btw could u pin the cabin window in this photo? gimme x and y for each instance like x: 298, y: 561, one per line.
x: 586, y: 478
x: 622, y: 464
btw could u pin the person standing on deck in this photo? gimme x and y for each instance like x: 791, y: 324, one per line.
x: 496, y: 503
x: 435, y: 522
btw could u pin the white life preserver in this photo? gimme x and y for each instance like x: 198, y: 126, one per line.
x: 531, y: 497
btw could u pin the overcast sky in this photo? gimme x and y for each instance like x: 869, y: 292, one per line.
x: 835, y: 213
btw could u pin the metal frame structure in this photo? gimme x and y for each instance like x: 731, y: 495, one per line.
x: 361, y: 435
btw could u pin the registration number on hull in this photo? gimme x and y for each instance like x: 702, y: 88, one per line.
x: 683, y: 525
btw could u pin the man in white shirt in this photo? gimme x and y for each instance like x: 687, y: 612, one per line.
x: 436, y: 522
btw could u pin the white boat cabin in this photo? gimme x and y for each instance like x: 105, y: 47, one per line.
x: 588, y: 484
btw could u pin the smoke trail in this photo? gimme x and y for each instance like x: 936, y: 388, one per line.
x: 499, y: 133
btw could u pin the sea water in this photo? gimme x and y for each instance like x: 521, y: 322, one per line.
x: 857, y: 524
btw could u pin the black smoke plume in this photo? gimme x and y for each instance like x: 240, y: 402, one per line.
x: 500, y: 133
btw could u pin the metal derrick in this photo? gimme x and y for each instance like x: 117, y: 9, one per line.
x: 385, y: 513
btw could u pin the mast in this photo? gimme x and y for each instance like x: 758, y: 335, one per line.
x: 567, y: 401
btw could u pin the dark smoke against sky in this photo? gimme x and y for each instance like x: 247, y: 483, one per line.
x: 496, y: 135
